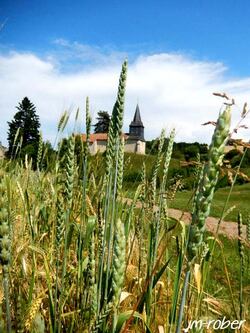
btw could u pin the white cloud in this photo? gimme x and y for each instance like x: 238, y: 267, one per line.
x: 172, y: 90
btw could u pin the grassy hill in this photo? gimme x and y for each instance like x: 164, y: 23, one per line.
x: 183, y: 199
x: 239, y: 198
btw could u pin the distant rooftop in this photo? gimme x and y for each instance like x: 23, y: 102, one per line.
x: 98, y: 137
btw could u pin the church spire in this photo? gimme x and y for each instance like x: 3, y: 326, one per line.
x: 137, y: 116
x: 136, y: 128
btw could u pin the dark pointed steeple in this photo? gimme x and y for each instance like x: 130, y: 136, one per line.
x: 137, y: 116
x: 136, y: 128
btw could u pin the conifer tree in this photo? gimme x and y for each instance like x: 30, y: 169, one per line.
x: 26, y: 123
x: 102, y: 125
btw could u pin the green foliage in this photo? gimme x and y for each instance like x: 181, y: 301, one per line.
x: 103, y: 120
x: 132, y: 177
x: 26, y: 124
x: 229, y: 248
x: 191, y: 152
x: 48, y: 157
x: 78, y: 149
x: 181, y: 150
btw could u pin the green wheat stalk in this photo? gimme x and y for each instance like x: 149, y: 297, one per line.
x: 204, y: 196
x: 5, y: 246
x: 85, y: 162
x: 39, y: 152
x: 68, y: 197
x: 119, y: 265
x: 208, y: 182
x: 111, y: 176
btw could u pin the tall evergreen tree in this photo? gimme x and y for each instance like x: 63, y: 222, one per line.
x: 26, y: 124
x: 102, y: 125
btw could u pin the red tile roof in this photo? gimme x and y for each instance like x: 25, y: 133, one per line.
x: 98, y: 137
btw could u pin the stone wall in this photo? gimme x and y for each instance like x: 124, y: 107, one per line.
x: 141, y: 147
x: 131, y: 146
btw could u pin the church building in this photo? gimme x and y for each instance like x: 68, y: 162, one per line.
x: 134, y: 140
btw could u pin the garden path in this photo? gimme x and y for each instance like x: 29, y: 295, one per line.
x: 227, y: 228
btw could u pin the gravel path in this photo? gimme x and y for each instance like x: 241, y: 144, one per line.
x: 227, y: 228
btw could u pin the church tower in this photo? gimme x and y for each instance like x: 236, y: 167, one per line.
x: 136, y: 128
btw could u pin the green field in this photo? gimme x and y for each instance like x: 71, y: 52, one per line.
x: 239, y: 198
x: 76, y: 256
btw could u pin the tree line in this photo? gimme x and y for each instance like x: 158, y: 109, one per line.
x: 24, y: 135
x: 24, y: 131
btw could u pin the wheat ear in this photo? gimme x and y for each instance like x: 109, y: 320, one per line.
x: 208, y: 182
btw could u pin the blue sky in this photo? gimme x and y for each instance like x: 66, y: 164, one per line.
x: 213, y: 30
x: 69, y: 40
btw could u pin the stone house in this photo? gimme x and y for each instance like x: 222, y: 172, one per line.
x: 134, y: 140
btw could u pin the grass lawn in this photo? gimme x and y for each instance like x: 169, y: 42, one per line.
x: 240, y: 198
x: 217, y: 281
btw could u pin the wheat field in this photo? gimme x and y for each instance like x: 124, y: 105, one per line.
x: 77, y: 257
